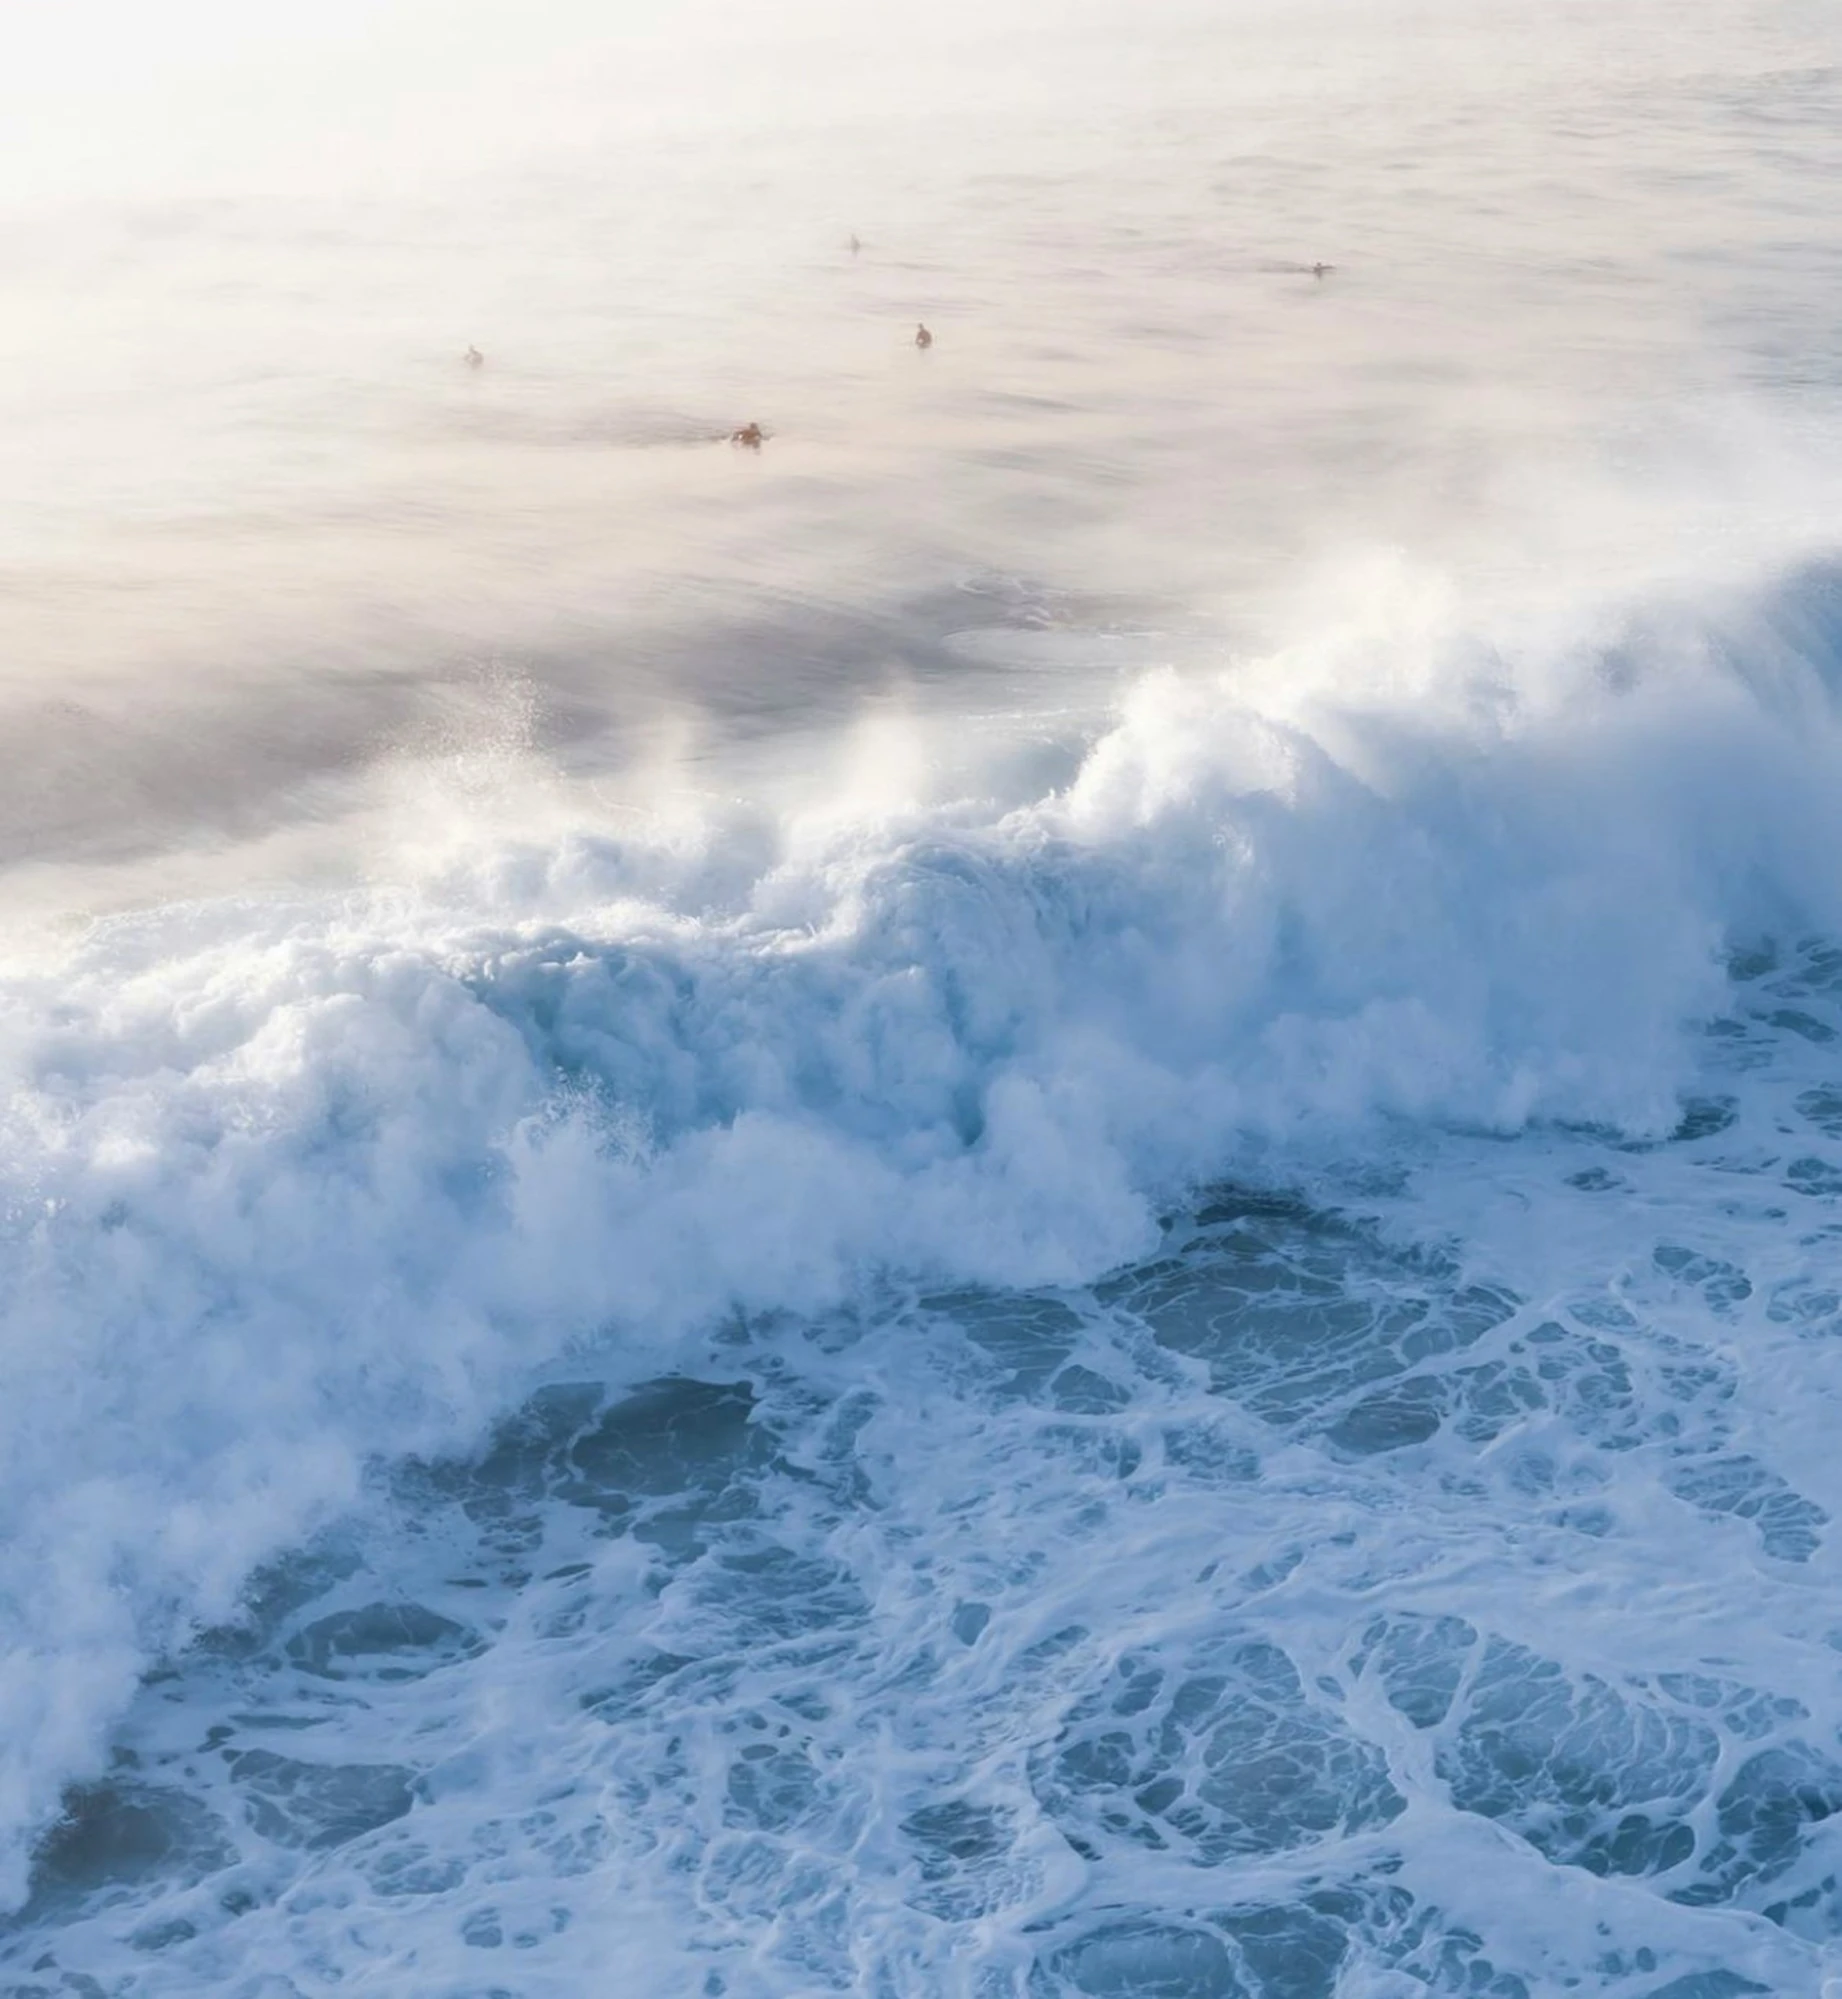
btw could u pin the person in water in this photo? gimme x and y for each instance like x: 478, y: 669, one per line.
x: 1319, y: 270
x: 923, y: 338
x: 751, y: 437
x: 473, y: 357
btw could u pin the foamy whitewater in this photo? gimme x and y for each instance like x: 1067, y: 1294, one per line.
x: 1043, y: 1201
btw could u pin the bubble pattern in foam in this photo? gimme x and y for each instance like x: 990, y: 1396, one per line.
x: 1316, y: 1607
x: 1405, y: 1567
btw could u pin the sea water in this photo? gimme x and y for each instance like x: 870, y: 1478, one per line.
x: 1037, y: 1201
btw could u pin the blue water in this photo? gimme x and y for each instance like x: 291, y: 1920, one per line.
x: 1221, y: 1384
x: 1037, y: 1202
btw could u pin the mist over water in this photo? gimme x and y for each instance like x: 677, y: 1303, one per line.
x: 1036, y: 1199
x: 263, y: 529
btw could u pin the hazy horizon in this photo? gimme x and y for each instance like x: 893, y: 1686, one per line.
x: 263, y: 529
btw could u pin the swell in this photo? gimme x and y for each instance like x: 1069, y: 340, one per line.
x: 293, y: 1185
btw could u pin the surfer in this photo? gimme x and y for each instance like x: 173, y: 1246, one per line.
x: 473, y: 357
x: 855, y: 245
x: 923, y: 338
x: 1320, y: 270
x: 750, y: 437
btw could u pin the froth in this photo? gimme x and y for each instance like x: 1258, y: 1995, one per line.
x: 293, y: 1185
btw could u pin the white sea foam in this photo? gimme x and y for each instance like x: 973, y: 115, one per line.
x: 295, y: 1187
x: 940, y: 1214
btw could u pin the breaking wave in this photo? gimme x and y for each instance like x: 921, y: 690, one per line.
x: 297, y: 1188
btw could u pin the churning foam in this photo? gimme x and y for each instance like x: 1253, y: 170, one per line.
x: 297, y: 1186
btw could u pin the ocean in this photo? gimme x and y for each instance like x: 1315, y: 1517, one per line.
x: 1036, y: 1198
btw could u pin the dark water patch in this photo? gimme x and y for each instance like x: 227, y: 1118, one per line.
x: 621, y: 1695
x: 1292, y: 1329
x: 381, y: 1641
x: 959, y: 1850
x: 1296, y: 1952
x: 1704, y: 1117
x: 1814, y: 1176
x: 1419, y: 1662
x: 1303, y: 1950
x: 970, y: 1620
x: 1817, y: 966
x: 1319, y: 1330
x: 1799, y: 1301
x: 1746, y: 1712
x: 1793, y: 1020
x: 1291, y: 1953
x: 1747, y: 964
x: 1500, y: 1394
x: 670, y: 1439
x: 410, y: 1870
x: 1209, y: 1454
x: 1143, y: 1961
x: 319, y: 1805
x: 1586, y: 1380
x: 1721, y: 1284
x: 771, y: 1786
x: 1407, y: 1412
x: 767, y: 1593
x: 1028, y: 1339
x: 1770, y: 1850
x: 1790, y: 1526
x: 1590, y: 1776
x: 1081, y: 1392
x: 1272, y: 1211
x: 1707, y: 1985
x: 1098, y: 1450
x: 1223, y: 1759
x: 275, y: 1595
x: 123, y: 1838
x: 1823, y: 1108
